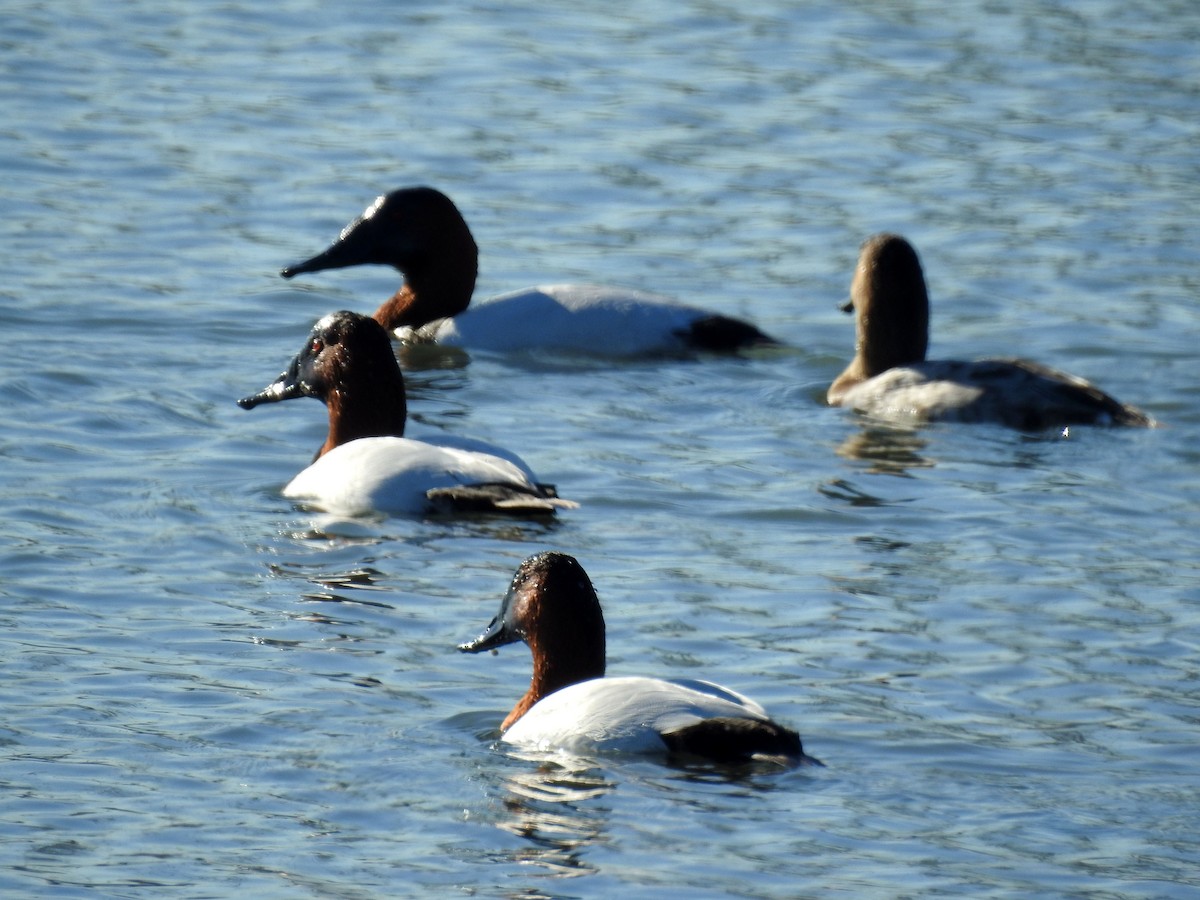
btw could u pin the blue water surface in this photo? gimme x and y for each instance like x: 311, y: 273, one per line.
x: 989, y: 637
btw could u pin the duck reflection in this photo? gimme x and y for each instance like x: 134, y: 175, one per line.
x: 888, y: 450
x: 552, y: 808
x: 435, y: 358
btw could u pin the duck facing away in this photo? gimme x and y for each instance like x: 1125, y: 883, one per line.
x: 420, y: 232
x: 571, y: 705
x: 890, y: 377
x: 366, y: 464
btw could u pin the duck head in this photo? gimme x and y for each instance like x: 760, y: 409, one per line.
x: 347, y: 363
x: 420, y: 232
x: 551, y: 606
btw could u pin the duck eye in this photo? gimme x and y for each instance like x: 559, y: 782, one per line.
x: 317, y: 345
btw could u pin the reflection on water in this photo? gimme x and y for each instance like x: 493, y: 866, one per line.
x: 208, y: 692
x: 335, y: 530
x: 559, y: 807
x: 546, y: 808
x: 890, y: 450
x: 441, y: 363
x: 841, y: 489
x: 371, y: 528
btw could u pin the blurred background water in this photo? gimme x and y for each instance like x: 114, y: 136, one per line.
x: 990, y: 638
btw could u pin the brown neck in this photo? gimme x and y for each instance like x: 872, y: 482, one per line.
x: 892, y: 335
x: 891, y: 306
x: 553, y: 672
x: 428, y: 296
x: 355, y: 414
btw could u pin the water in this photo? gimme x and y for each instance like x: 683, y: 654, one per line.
x: 990, y: 638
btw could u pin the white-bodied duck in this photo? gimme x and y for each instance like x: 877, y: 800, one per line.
x: 366, y: 464
x: 571, y: 705
x: 420, y: 232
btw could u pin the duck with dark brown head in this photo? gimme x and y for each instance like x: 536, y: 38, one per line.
x: 571, y: 705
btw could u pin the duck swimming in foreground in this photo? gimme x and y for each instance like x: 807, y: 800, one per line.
x: 420, y: 232
x: 571, y: 706
x: 366, y: 464
x: 890, y: 378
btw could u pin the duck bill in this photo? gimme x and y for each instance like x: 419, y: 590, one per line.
x: 336, y: 257
x: 503, y: 629
x: 288, y: 386
x: 279, y: 389
x: 362, y: 241
x: 497, y: 634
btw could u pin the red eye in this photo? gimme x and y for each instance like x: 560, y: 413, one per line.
x: 317, y: 345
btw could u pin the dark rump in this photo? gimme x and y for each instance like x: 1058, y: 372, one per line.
x: 734, y: 740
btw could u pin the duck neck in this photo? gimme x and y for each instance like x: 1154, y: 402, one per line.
x: 434, y: 292
x: 889, y: 332
x: 555, y: 671
x: 366, y: 407
x: 894, y: 335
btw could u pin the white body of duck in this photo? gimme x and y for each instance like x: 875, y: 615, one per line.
x: 366, y: 464
x: 625, y: 714
x: 568, y: 318
x: 420, y: 232
x: 570, y: 705
x: 403, y: 476
x: 890, y: 378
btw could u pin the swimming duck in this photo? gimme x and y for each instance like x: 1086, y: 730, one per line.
x: 420, y: 232
x: 890, y: 378
x: 366, y: 464
x: 571, y: 705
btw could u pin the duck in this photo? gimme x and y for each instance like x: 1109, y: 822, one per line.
x: 572, y: 706
x: 890, y: 378
x: 421, y: 233
x: 366, y: 464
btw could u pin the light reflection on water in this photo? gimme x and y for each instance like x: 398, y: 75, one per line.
x: 558, y: 813
x: 988, y: 637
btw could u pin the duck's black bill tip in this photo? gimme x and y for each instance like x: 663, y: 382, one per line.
x: 281, y: 388
x: 338, y: 256
x: 494, y: 637
x: 309, y: 265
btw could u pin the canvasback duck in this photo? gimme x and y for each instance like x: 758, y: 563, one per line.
x: 571, y: 706
x: 890, y: 378
x: 366, y: 464
x: 420, y: 232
